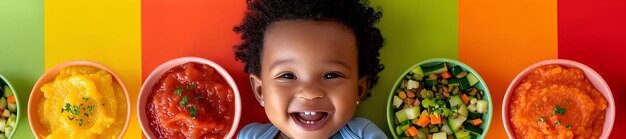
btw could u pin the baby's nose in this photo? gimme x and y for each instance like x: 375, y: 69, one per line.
x: 310, y: 93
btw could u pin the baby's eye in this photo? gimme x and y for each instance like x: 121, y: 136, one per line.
x: 287, y: 76
x: 332, y: 75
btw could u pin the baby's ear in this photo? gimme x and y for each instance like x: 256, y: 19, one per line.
x: 364, y: 86
x: 255, y: 82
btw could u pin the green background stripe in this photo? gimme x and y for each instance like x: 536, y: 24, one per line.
x: 21, y: 51
x: 414, y: 30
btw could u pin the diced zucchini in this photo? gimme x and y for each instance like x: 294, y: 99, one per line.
x: 428, y: 102
x: 412, y: 112
x: 455, y: 100
x: 429, y: 83
x: 397, y: 101
x: 446, y: 112
x: 436, y: 69
x: 440, y: 135
x: 12, y: 107
x: 6, y: 113
x: 471, y: 107
x: 433, y: 129
x: 7, y: 91
x: 464, y: 84
x: 482, y: 106
x: 412, y: 84
x: 456, y: 70
x: 3, y: 103
x: 473, y: 136
x: 8, y: 131
x: 461, y: 134
x: 463, y: 110
x: 474, y: 115
x: 453, y: 82
x: 455, y: 123
x: 446, y: 128
x: 422, y: 134
x: 3, y: 123
x: 471, y: 78
x: 11, y: 120
x: 402, y: 127
x: 418, y: 74
x: 473, y: 129
x: 401, y: 116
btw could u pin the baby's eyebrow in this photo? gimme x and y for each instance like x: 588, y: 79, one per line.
x: 282, y: 61
x: 340, y: 63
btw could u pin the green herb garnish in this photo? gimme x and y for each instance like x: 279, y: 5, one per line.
x: 190, y: 86
x: 85, y: 99
x: 178, y: 91
x: 568, y: 126
x: 541, y: 119
x: 183, y: 101
x: 557, y: 123
x: 566, y: 101
x: 559, y: 110
x: 193, y: 111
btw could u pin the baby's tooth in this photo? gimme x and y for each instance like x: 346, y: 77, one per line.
x: 307, y: 113
x: 312, y: 113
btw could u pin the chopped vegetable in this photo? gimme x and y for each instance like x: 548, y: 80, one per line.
x: 402, y: 95
x: 423, y: 120
x: 473, y: 129
x: 477, y: 122
x: 440, y: 135
x: 435, y: 119
x: 455, y: 123
x: 472, y: 79
x: 482, y: 106
x: 446, y: 75
x: 443, y: 67
x: 412, y: 131
x: 412, y: 84
x: 465, y: 98
x: 11, y: 99
x: 397, y: 101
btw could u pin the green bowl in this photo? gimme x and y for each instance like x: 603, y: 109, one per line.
x: 480, y: 85
x: 4, y: 81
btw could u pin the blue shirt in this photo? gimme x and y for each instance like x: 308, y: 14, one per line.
x: 356, y: 128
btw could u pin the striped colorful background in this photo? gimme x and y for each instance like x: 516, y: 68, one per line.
x: 498, y: 38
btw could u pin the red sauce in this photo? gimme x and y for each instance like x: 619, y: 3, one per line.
x: 189, y: 89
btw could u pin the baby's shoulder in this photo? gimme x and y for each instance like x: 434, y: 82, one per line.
x: 362, y: 128
x: 257, y: 131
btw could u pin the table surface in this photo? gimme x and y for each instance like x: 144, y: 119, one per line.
x: 132, y: 37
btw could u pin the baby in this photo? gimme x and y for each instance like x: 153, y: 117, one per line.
x: 311, y: 63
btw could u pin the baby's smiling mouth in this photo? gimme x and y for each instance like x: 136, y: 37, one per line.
x: 310, y: 120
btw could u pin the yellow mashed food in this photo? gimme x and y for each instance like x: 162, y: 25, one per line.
x: 82, y: 102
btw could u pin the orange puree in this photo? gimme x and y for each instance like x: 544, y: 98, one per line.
x: 557, y: 102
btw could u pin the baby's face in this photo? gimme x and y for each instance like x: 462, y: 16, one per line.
x: 310, y: 82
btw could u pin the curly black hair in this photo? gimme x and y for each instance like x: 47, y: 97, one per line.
x: 357, y: 15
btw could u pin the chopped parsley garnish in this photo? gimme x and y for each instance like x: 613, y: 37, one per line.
x: 559, y: 110
x: 193, y: 111
x: 183, y: 101
x: 566, y: 101
x: 568, y: 126
x: 557, y: 123
x: 190, y: 86
x: 76, y: 111
x: 541, y: 119
x: 178, y: 91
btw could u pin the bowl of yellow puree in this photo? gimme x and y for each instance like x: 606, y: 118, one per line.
x: 79, y: 99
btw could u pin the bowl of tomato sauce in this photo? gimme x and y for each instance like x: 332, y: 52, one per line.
x: 189, y: 97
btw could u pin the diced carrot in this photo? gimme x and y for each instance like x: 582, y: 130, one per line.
x: 402, y: 95
x: 465, y: 98
x: 410, y: 93
x: 412, y: 131
x: 446, y: 75
x: 450, y: 137
x: 11, y: 99
x: 435, y: 119
x: 423, y: 121
x: 430, y: 136
x: 477, y: 121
